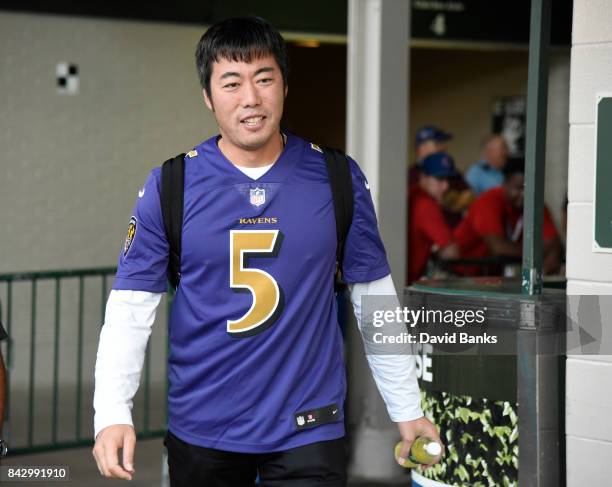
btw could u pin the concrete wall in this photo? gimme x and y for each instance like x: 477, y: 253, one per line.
x: 589, y: 378
x: 70, y: 169
x: 72, y: 165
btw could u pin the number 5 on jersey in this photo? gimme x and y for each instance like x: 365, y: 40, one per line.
x: 267, y: 295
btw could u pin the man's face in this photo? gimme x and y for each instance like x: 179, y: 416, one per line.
x: 515, y: 190
x: 429, y: 147
x: 434, y: 186
x: 496, y: 153
x: 247, y: 100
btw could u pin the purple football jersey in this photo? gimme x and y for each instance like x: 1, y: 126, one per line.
x: 256, y: 354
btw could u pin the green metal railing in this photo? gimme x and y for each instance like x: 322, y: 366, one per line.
x: 59, y: 281
x: 535, y: 145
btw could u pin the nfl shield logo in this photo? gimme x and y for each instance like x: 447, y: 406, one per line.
x: 300, y: 420
x: 258, y: 196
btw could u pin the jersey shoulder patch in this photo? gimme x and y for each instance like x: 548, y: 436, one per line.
x: 192, y: 153
x: 316, y: 147
x: 131, y: 234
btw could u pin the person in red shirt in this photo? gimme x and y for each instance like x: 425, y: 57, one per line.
x: 429, y: 140
x: 493, y: 225
x: 428, y: 230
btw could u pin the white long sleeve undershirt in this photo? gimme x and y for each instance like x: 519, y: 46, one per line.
x: 128, y: 321
x: 123, y: 340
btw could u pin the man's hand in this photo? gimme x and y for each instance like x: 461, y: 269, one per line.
x: 106, y: 451
x: 411, y: 430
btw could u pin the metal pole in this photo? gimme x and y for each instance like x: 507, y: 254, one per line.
x: 377, y: 127
x: 32, y: 364
x: 537, y: 101
x: 537, y: 373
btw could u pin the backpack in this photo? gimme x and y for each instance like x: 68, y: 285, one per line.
x: 171, y: 196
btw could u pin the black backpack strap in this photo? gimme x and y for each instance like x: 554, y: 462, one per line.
x: 339, y: 173
x: 172, y: 185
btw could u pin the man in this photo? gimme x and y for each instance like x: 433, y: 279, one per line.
x: 257, y: 379
x: 493, y: 225
x: 3, y: 448
x: 488, y: 172
x: 429, y: 139
x: 428, y: 231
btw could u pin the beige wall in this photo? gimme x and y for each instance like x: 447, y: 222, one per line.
x: 71, y: 166
x: 70, y: 170
x: 455, y: 90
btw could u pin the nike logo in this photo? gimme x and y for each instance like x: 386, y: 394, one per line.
x: 141, y: 193
x: 334, y: 411
x: 367, y: 185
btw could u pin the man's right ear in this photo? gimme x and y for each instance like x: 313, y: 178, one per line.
x: 208, y: 101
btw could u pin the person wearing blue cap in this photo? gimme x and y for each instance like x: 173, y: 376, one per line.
x: 428, y: 231
x: 429, y: 140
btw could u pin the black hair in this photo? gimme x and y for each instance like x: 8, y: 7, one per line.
x: 513, y: 166
x: 239, y: 39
